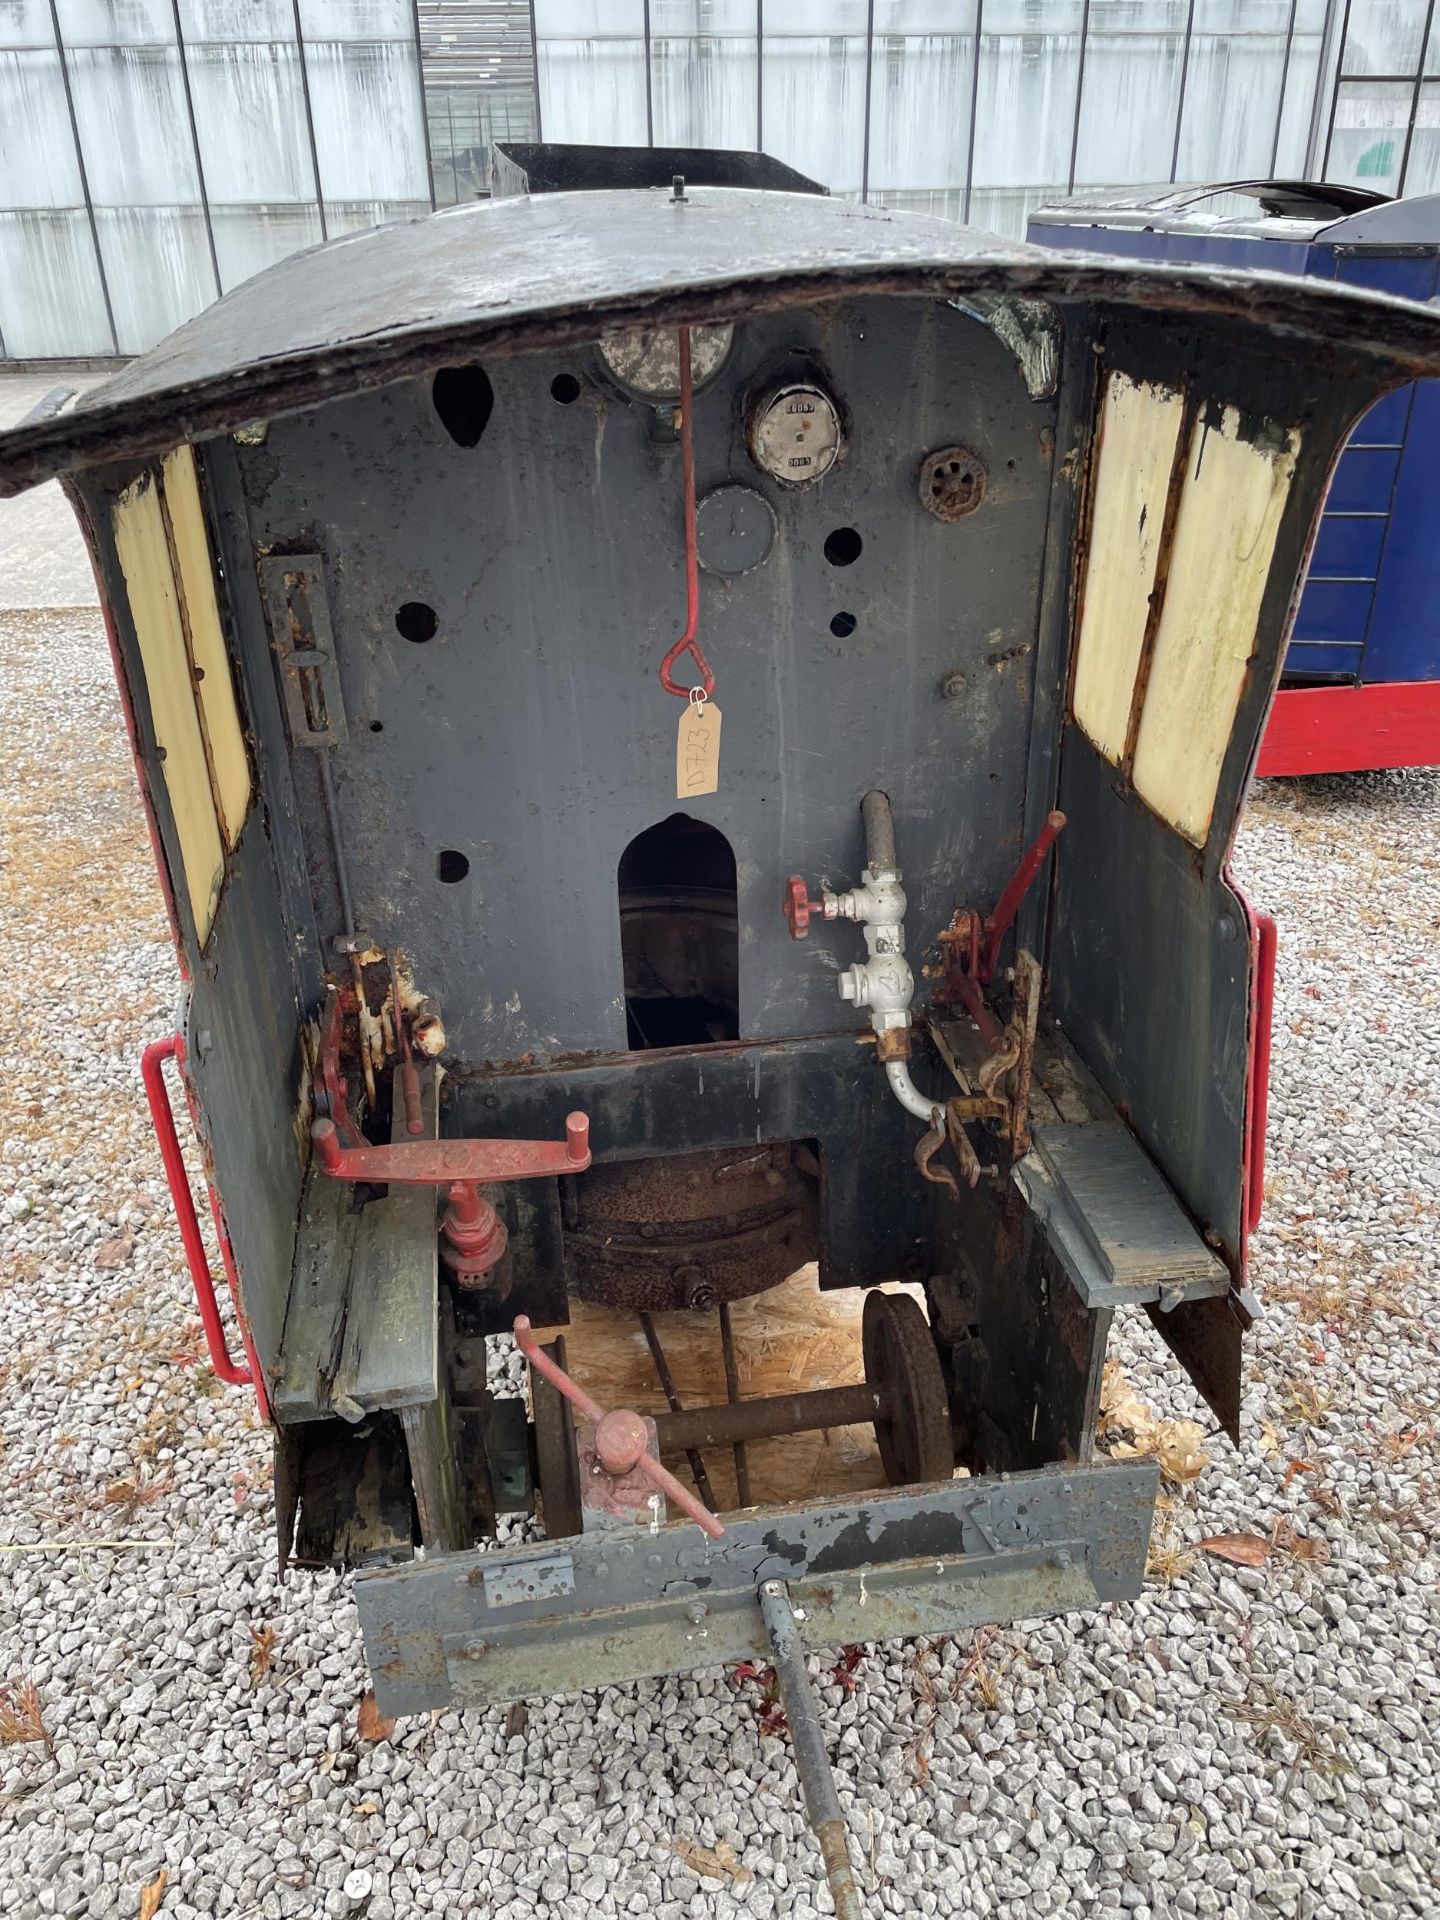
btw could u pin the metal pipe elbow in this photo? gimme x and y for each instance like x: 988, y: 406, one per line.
x: 897, y: 1072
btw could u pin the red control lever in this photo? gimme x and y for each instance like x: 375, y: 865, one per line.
x: 473, y: 1235
x: 799, y: 906
x: 435, y: 1163
x: 1008, y: 905
x: 621, y: 1438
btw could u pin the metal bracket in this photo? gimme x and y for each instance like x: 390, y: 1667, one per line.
x: 294, y: 585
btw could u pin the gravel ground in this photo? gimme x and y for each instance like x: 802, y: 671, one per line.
x: 1240, y: 1741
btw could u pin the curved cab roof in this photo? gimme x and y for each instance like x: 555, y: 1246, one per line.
x: 503, y: 275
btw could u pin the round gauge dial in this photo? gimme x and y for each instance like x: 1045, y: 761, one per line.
x: 795, y: 434
x: 646, y: 360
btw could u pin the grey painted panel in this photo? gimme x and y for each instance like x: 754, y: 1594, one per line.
x: 531, y: 734
x: 606, y: 1607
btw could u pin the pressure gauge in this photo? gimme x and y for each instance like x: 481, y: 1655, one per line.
x: 646, y: 360
x: 794, y: 433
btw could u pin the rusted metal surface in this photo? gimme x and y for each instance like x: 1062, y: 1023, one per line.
x: 741, y: 1420
x: 732, y: 1394
x: 690, y: 1230
x: 903, y: 1366
x: 693, y: 1458
x: 822, y: 1803
x: 952, y: 483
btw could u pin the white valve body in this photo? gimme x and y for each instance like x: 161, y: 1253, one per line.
x: 884, y: 982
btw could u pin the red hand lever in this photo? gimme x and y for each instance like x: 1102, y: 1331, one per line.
x: 436, y: 1163
x: 799, y: 906
x: 621, y: 1441
x: 473, y: 1236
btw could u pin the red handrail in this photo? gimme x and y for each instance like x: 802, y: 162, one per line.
x: 152, y: 1071
x: 1266, y: 944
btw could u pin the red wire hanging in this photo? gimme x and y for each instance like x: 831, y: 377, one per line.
x: 687, y: 643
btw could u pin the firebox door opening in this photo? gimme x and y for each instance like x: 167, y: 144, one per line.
x: 679, y: 935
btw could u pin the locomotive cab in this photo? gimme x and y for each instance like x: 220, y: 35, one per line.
x: 692, y: 730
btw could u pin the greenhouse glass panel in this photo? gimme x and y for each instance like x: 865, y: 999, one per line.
x: 1368, y: 141
x: 1232, y: 89
x: 1130, y: 95
x: 591, y: 71
x: 52, y: 305
x: 1384, y: 37
x: 1026, y: 102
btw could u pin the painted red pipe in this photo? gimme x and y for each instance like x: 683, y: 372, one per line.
x: 152, y: 1070
x: 687, y: 643
x: 1266, y: 947
x: 1008, y: 904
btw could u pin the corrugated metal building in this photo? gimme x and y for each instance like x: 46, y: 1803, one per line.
x: 154, y: 153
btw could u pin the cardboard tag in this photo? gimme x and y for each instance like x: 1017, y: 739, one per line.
x: 697, y: 750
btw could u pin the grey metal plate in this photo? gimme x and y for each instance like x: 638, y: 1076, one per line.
x: 531, y: 735
x: 601, y: 1609
x: 1119, y: 1231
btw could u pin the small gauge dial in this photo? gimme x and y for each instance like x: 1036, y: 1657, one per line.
x: 795, y: 434
x: 646, y: 360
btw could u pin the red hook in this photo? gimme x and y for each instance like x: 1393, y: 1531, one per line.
x: 687, y: 643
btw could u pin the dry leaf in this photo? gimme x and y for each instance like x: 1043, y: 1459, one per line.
x: 711, y: 1863
x: 114, y: 1253
x: 1288, y: 1540
x: 1180, y: 1449
x: 1245, y: 1549
x: 1134, y: 1431
x: 369, y: 1723
x: 1269, y: 1438
x: 151, y: 1894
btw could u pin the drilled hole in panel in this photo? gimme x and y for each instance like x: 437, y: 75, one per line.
x: 450, y: 866
x: 842, y: 547
x: 464, y: 400
x: 415, y: 621
x: 565, y: 388
x: 843, y: 625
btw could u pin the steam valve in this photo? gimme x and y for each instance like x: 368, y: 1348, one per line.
x: 799, y: 906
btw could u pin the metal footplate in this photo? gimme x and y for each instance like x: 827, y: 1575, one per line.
x: 601, y: 1609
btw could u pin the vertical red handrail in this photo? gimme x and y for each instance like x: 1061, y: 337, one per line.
x: 152, y: 1071
x: 1266, y: 947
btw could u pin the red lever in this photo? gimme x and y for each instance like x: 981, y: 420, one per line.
x: 799, y: 906
x: 473, y: 1235
x: 1008, y: 905
x: 436, y: 1163
x: 621, y: 1439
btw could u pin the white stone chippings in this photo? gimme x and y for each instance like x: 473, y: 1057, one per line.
x: 1239, y: 1742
